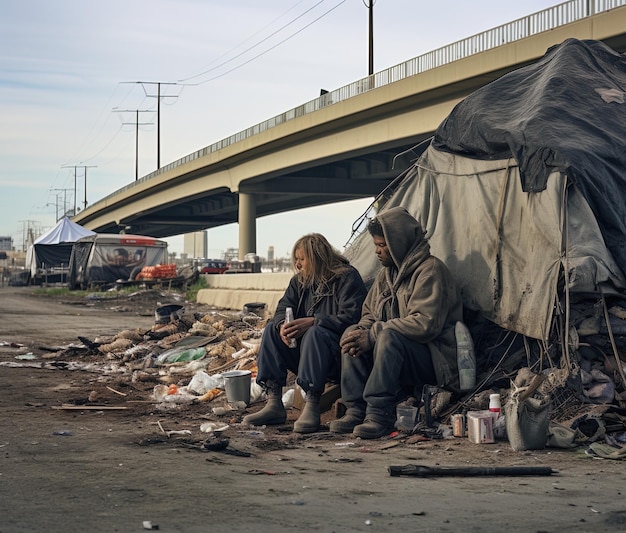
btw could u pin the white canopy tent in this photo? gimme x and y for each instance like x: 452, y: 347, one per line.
x: 54, y: 248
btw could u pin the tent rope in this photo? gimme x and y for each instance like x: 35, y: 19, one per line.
x: 618, y: 361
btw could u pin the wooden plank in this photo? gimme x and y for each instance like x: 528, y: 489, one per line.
x: 71, y: 407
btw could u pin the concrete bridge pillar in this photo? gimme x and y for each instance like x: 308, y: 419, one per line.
x: 247, y: 225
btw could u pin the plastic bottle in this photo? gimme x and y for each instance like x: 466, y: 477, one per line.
x: 494, y: 404
x: 288, y: 318
x: 466, y: 360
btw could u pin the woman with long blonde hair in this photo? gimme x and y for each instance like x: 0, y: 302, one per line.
x: 326, y: 294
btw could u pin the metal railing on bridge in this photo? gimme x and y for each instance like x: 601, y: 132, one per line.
x: 548, y: 19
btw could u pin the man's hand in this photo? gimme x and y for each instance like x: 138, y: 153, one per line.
x: 295, y: 329
x: 356, y: 342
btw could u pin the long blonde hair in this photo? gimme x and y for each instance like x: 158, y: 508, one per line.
x: 325, y: 261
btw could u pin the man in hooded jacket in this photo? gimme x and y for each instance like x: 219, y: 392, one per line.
x: 405, y: 337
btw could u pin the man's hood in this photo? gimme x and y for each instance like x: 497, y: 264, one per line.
x: 402, y: 232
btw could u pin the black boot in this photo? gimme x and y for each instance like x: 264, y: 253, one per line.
x: 353, y: 417
x: 273, y: 413
x: 309, y: 420
x: 377, y: 423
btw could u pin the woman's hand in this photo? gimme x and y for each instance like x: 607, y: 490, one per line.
x: 295, y: 329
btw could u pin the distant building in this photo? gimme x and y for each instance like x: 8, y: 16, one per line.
x: 270, y: 254
x: 6, y: 244
x: 195, y: 244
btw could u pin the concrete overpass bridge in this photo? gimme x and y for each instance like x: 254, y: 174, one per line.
x: 349, y: 143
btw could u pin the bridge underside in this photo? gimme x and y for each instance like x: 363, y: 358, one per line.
x: 360, y: 176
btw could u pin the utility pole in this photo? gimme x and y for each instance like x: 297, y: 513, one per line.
x: 370, y: 6
x: 30, y: 232
x: 158, y: 97
x: 84, y: 167
x: 136, y: 124
x: 64, y: 211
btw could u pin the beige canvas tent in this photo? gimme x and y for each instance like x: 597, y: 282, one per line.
x: 522, y: 191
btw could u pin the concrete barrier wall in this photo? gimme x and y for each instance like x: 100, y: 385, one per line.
x: 233, y: 291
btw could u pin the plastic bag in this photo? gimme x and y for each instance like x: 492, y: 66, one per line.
x: 202, y: 382
x: 178, y: 355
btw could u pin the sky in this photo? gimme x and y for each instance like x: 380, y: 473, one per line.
x: 69, y: 91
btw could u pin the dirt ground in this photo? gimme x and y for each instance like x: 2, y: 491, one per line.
x: 108, y: 464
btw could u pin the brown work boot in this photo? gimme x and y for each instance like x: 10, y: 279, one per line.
x: 346, y: 424
x: 273, y: 413
x: 309, y: 419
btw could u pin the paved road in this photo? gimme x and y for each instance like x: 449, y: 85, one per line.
x: 76, y: 471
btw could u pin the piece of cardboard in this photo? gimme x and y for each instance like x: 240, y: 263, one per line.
x: 332, y: 392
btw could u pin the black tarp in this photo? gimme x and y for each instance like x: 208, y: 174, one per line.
x: 565, y: 112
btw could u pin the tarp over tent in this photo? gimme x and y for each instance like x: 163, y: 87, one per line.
x: 53, y: 248
x: 523, y: 184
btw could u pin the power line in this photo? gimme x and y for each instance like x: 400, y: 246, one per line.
x: 254, y: 34
x: 256, y: 44
x: 265, y: 51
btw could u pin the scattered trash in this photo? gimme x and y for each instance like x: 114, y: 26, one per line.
x: 172, y: 394
x: 201, y: 382
x: 168, y: 313
x: 213, y: 427
x: 215, y: 444
x: 288, y: 398
x: 178, y: 432
x: 209, y: 395
x: 26, y: 357
x: 178, y: 355
x: 149, y: 525
x: 606, y: 451
x: 219, y: 444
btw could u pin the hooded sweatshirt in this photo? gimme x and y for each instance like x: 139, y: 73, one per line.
x: 417, y: 296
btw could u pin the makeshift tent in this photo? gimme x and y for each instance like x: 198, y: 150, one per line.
x: 522, y: 191
x: 104, y: 258
x: 53, y: 248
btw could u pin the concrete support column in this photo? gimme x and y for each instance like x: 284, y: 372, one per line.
x: 247, y: 225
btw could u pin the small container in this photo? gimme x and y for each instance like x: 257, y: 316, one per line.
x: 480, y: 427
x: 458, y: 425
x: 405, y: 418
x: 288, y: 318
x: 494, y: 404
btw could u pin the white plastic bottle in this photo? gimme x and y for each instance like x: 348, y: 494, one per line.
x: 288, y: 318
x: 465, y: 357
x: 494, y: 404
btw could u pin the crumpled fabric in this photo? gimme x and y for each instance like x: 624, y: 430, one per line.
x: 560, y: 436
x: 597, y: 386
x: 606, y: 451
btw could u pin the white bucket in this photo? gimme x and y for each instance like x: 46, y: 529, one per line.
x: 237, y: 384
